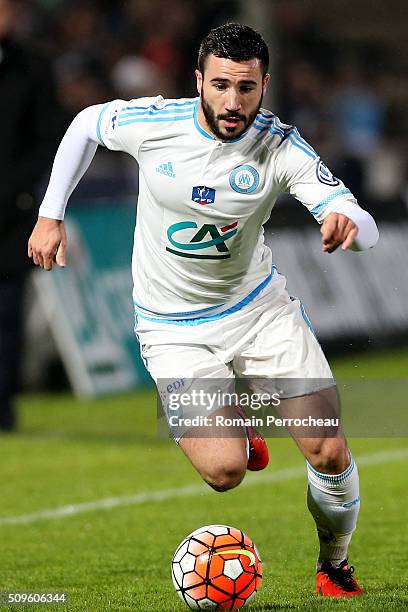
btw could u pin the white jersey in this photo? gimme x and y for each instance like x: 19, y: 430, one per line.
x: 199, y: 248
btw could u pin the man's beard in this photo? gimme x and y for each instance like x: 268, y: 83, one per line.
x: 213, y: 120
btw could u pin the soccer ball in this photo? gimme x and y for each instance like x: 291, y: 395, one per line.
x: 216, y: 568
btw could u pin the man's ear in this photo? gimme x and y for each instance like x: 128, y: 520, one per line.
x: 265, y: 81
x: 199, y: 78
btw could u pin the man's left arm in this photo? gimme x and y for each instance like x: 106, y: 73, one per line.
x: 302, y: 173
x: 349, y: 226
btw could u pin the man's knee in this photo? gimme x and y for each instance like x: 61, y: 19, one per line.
x: 330, y: 455
x: 224, y: 477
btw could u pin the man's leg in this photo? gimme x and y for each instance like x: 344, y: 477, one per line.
x: 183, y: 365
x: 333, y: 492
x: 333, y: 495
x: 284, y: 356
x: 219, y: 455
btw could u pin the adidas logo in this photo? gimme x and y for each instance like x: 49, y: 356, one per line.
x: 166, y: 169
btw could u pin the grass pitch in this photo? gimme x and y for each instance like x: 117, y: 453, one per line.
x: 71, y: 452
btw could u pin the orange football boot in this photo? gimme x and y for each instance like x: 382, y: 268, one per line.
x: 339, y: 581
x: 258, y: 449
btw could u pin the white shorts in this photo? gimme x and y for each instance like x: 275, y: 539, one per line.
x: 269, y: 338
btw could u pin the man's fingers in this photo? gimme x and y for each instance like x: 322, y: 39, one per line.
x: 47, y: 243
x: 48, y: 262
x: 350, y: 239
x: 48, y: 265
x: 330, y: 247
x: 330, y: 237
x: 337, y: 230
x: 328, y: 228
x: 43, y: 258
x: 60, y: 256
x: 40, y: 260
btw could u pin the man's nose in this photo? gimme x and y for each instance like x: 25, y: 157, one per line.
x: 233, y: 101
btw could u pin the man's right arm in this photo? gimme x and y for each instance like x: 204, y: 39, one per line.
x: 119, y: 125
x: 75, y: 153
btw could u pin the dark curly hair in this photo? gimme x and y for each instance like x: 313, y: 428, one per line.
x: 236, y: 42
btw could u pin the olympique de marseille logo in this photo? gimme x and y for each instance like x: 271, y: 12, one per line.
x: 244, y: 179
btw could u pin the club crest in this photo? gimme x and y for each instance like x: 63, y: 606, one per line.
x: 244, y: 179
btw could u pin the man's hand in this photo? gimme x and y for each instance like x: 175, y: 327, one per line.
x: 47, y: 243
x: 338, y: 230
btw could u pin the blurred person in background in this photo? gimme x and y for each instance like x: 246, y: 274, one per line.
x: 303, y: 98
x: 31, y: 128
x: 80, y: 82
x: 360, y: 117
x: 301, y: 37
x: 135, y: 77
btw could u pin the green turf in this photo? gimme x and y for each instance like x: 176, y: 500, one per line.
x: 72, y: 451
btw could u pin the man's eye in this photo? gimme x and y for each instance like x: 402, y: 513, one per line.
x: 246, y: 89
x: 219, y: 86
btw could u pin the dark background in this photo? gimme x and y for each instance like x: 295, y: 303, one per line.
x: 338, y: 72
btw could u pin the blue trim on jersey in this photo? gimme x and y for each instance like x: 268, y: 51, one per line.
x: 157, y: 112
x: 294, y: 136
x: 179, y: 314
x: 332, y: 196
x: 276, y: 127
x: 306, y: 318
x: 261, y: 128
x: 296, y: 143
x: 98, y: 125
x: 284, y: 132
x: 144, y: 119
x: 175, y: 104
x: 270, y: 126
x: 274, y: 131
x: 281, y: 125
x: 200, y: 320
x: 198, y: 126
x: 266, y: 115
x: 264, y: 121
x: 303, y: 142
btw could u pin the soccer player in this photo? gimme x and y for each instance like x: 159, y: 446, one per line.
x: 209, y: 302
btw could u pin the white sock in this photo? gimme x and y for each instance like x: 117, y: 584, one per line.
x: 334, y: 502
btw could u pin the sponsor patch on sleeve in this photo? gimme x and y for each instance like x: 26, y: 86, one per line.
x: 325, y: 176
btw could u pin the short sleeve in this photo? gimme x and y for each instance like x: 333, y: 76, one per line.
x: 303, y: 174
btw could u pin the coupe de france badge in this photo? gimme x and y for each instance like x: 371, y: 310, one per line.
x: 244, y: 179
x: 203, y: 195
